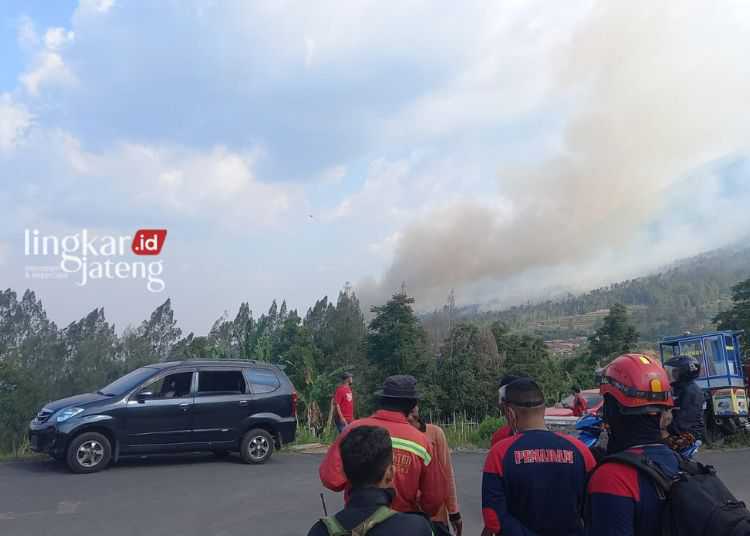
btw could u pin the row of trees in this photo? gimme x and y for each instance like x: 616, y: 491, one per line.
x: 687, y: 296
x: 458, y: 372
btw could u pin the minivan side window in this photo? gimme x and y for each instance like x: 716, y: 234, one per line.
x: 175, y: 385
x: 263, y: 381
x: 220, y: 382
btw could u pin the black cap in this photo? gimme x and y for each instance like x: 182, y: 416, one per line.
x: 399, y: 386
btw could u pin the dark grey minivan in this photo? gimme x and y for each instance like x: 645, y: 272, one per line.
x: 220, y: 406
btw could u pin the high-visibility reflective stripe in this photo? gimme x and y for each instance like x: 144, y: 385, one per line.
x: 411, y: 446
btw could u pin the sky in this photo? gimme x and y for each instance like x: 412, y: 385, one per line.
x: 507, y: 150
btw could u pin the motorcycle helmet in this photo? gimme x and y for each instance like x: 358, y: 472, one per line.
x: 638, y: 384
x: 682, y: 369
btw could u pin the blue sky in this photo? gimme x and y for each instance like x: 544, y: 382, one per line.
x: 291, y: 147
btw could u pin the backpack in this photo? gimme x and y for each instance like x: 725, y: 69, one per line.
x: 697, y: 503
x: 336, y: 529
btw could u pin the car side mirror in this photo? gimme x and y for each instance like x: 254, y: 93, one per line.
x: 143, y: 396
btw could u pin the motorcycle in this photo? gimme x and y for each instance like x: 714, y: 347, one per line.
x: 590, y: 428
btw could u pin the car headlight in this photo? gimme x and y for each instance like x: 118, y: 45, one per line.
x: 67, y: 413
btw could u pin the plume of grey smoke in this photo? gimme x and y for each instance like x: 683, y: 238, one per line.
x: 661, y: 88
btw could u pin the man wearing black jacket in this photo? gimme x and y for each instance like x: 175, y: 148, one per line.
x: 687, y: 416
x: 367, y: 456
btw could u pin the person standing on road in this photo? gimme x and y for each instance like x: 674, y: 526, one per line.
x: 343, y: 402
x: 504, y: 431
x: 621, y: 501
x: 419, y: 482
x: 579, y: 403
x: 449, y: 514
x: 367, y: 457
x: 534, y: 482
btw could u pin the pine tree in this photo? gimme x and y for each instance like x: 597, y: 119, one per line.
x: 616, y: 336
x: 396, y: 342
x: 90, y: 353
x: 738, y: 317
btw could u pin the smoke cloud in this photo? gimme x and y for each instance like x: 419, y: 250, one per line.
x: 658, y: 90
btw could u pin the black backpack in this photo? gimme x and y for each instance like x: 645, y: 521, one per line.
x: 697, y: 503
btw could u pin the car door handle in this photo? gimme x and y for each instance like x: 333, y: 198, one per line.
x: 185, y: 406
x: 244, y: 402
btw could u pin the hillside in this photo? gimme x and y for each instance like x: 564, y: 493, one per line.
x: 684, y: 296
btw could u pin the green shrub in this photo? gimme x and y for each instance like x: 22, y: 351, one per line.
x: 488, y: 427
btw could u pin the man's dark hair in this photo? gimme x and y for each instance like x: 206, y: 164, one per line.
x: 575, y: 389
x: 524, y: 393
x: 402, y: 405
x: 367, y: 453
x: 508, y: 379
x: 345, y: 376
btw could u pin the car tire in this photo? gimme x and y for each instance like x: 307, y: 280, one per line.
x: 88, y: 453
x: 257, y: 446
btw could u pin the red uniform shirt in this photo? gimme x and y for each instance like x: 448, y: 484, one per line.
x: 345, y: 399
x: 579, y: 405
x: 420, y: 481
x: 501, y: 433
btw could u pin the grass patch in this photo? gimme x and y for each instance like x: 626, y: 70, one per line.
x: 460, y: 433
x: 306, y: 436
x: 738, y: 440
x: 23, y: 452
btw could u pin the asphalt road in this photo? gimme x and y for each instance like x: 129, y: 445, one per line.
x: 199, y: 495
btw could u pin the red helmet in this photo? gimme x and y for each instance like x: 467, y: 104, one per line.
x: 638, y: 383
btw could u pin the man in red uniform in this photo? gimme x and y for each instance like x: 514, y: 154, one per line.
x: 449, y: 515
x: 343, y: 402
x: 579, y: 403
x: 534, y: 481
x: 504, y: 431
x: 419, y: 481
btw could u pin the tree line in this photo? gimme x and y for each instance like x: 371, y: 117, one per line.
x: 458, y: 371
x: 684, y: 297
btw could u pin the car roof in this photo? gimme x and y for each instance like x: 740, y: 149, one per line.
x: 217, y: 363
x: 677, y: 338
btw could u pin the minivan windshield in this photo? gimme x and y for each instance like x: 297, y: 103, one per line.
x: 128, y: 382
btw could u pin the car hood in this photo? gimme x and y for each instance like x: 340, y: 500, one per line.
x: 77, y: 400
x: 558, y: 412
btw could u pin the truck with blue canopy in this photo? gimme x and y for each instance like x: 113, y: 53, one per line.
x: 722, y: 377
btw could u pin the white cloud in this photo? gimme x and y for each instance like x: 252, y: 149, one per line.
x: 15, y: 120
x: 217, y: 184
x: 26, y: 35
x: 55, y: 38
x: 47, y: 66
x: 96, y: 6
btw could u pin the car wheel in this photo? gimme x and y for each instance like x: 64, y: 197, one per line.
x: 257, y: 446
x: 89, y: 452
